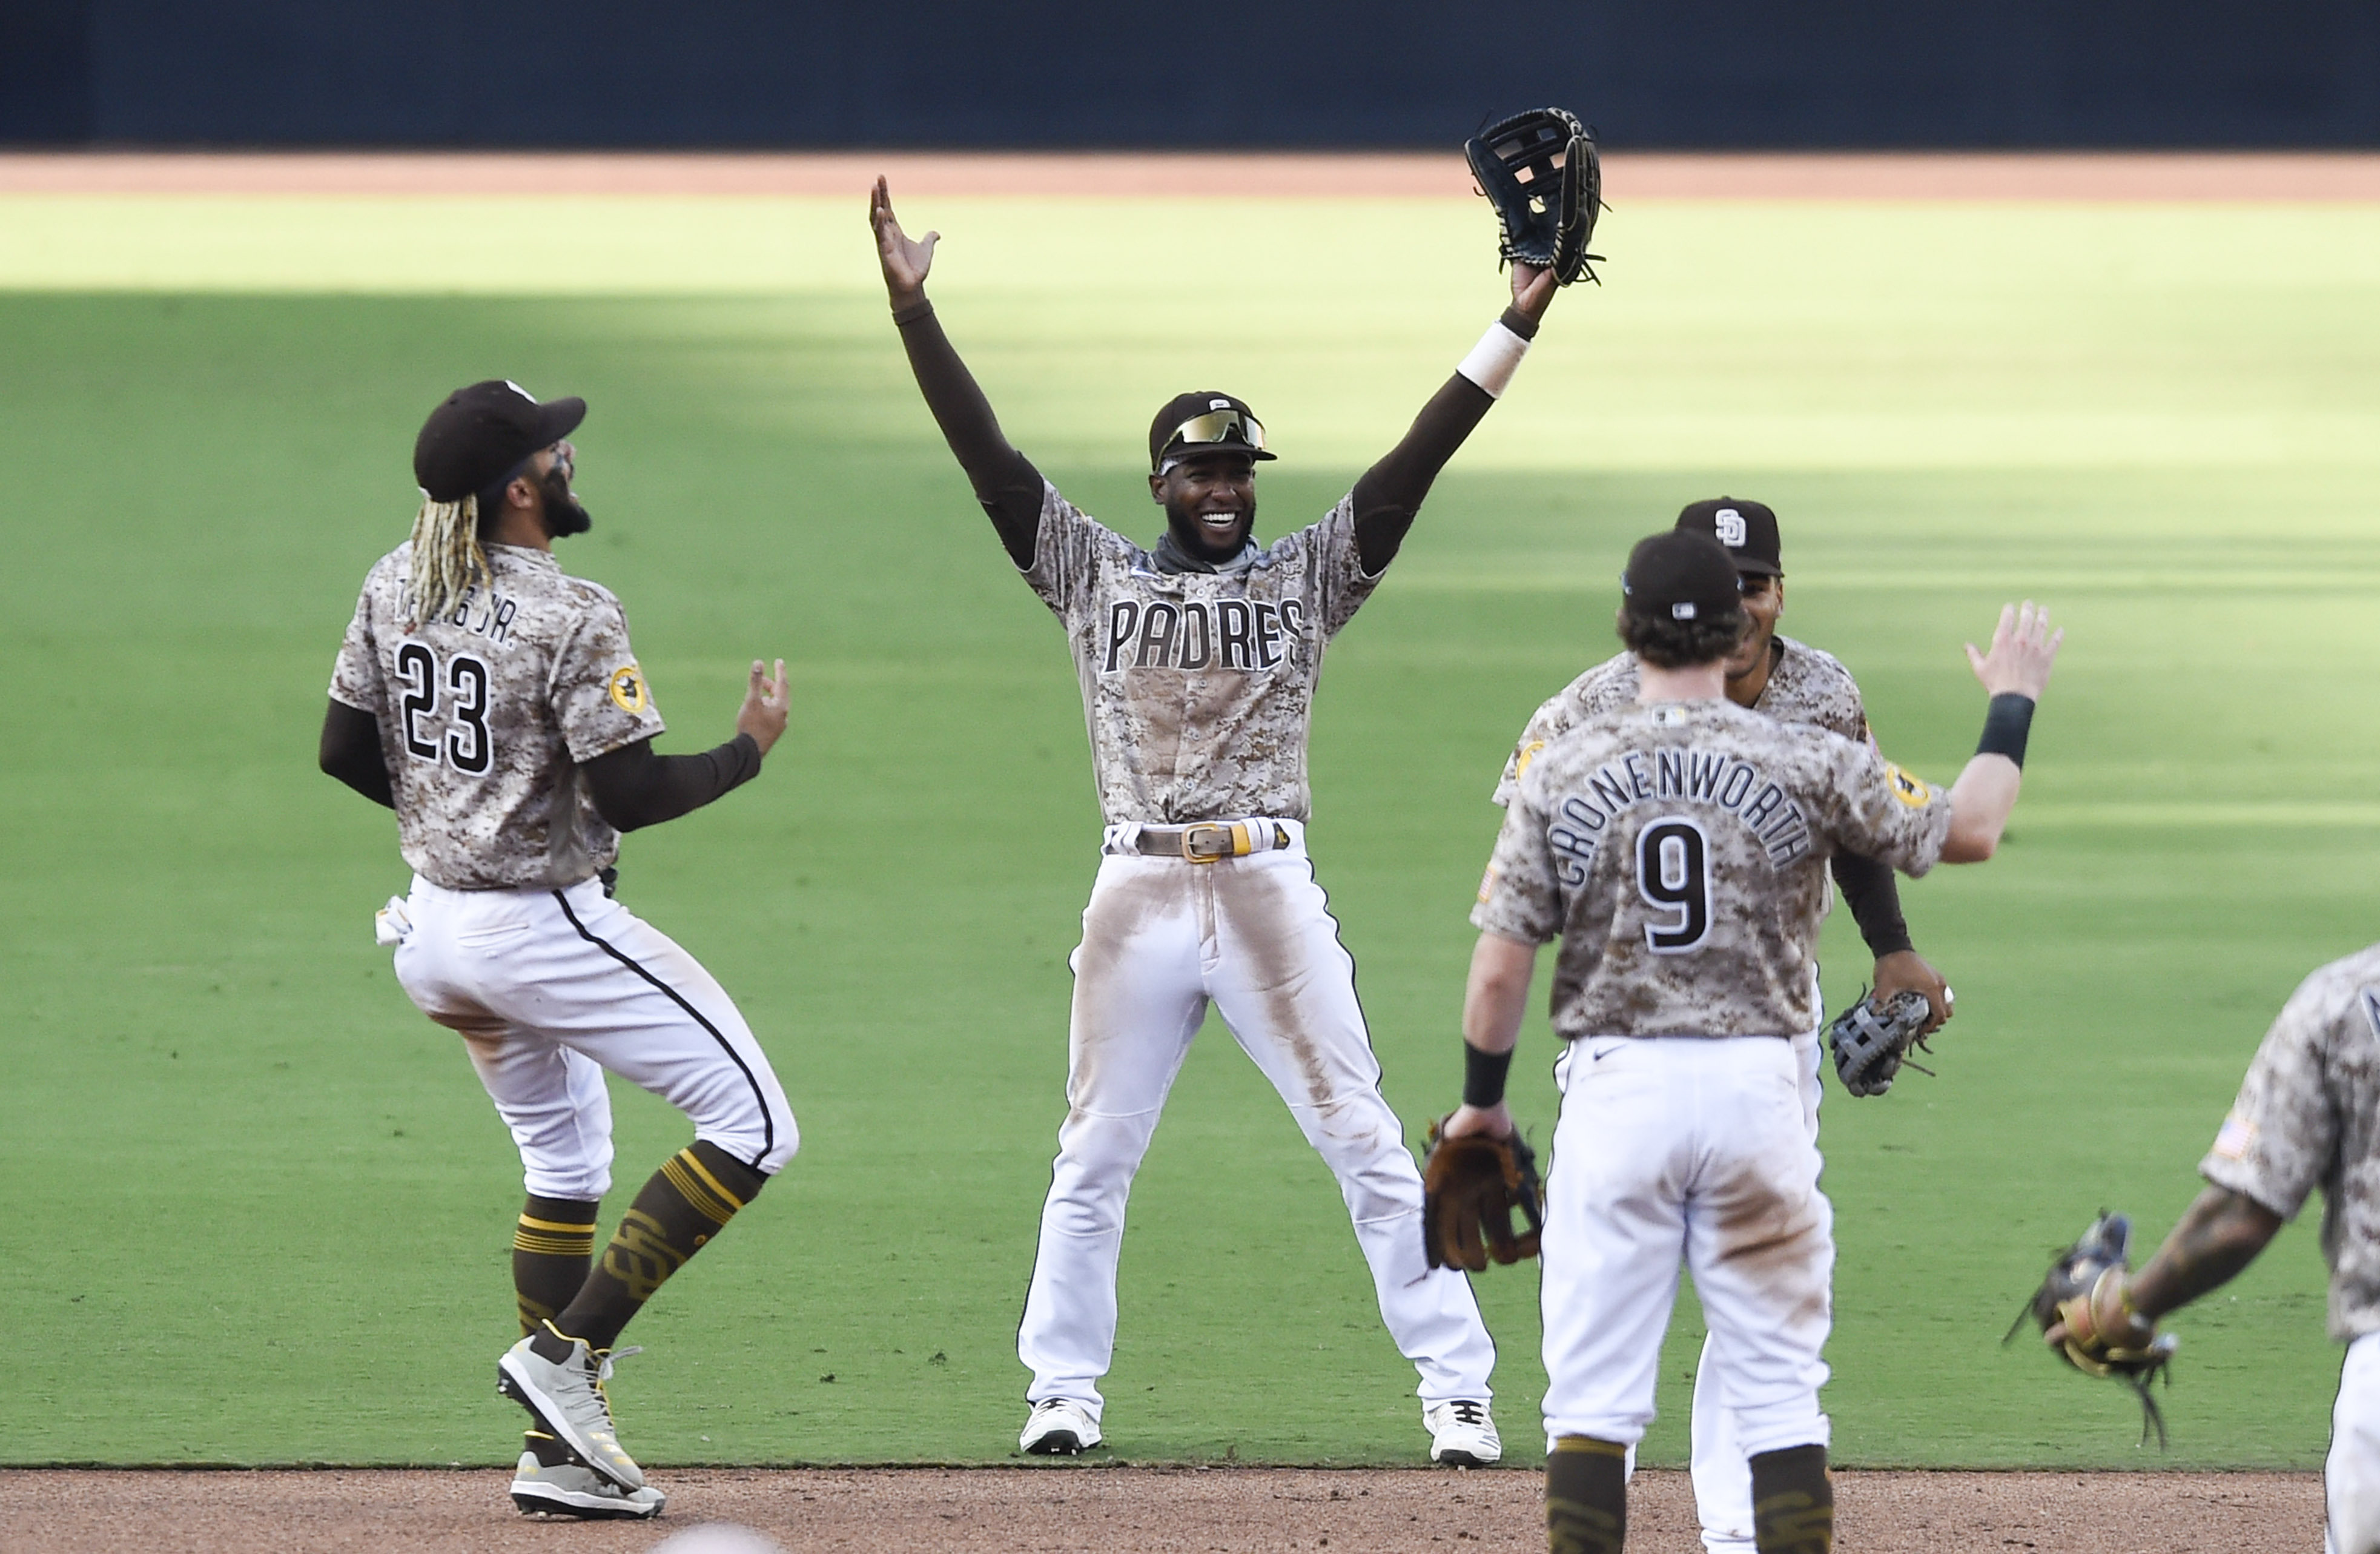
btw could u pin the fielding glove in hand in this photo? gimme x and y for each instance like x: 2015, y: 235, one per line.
x: 1471, y: 1186
x: 1540, y: 172
x: 1870, y: 1041
x: 2084, y: 1307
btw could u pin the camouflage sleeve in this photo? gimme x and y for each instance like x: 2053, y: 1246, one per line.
x: 1520, y: 897
x: 1608, y: 685
x: 1874, y: 808
x: 355, y: 679
x: 1336, y: 580
x: 1064, y: 565
x: 1544, y: 726
x: 599, y: 698
x: 2276, y: 1143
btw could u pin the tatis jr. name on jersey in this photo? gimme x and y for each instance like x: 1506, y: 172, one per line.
x: 1577, y: 823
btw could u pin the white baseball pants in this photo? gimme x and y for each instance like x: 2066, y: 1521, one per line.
x: 2351, y: 1477
x: 1162, y: 938
x: 1698, y: 1150
x: 550, y: 987
x: 1720, y: 1470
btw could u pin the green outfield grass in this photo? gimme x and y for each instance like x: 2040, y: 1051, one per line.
x: 257, y: 1208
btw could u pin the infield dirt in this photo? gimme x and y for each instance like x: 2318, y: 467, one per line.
x: 1120, y: 1510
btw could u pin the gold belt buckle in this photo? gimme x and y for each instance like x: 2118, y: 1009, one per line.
x: 1207, y: 830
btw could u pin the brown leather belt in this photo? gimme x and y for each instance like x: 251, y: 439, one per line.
x: 1209, y: 840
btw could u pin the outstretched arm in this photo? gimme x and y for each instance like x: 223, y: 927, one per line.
x: 1390, y: 492
x: 2015, y: 671
x: 2219, y: 1235
x: 1005, y: 481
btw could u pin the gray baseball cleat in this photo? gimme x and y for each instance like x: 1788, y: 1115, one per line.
x: 579, y: 1492
x: 1460, y: 1433
x: 1059, y: 1427
x: 569, y: 1397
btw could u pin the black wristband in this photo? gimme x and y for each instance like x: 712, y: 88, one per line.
x: 1483, y: 1076
x: 921, y: 309
x: 2005, y: 727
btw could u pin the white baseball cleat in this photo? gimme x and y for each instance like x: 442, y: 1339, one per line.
x: 1059, y: 1427
x: 568, y: 1396
x: 1461, y: 1434
x: 580, y: 1493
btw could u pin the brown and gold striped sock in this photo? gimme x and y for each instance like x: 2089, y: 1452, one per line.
x: 553, y: 1243
x: 552, y: 1246
x: 1586, y: 1495
x: 693, y: 1196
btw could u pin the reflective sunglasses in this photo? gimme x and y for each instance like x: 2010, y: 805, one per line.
x: 1215, y: 428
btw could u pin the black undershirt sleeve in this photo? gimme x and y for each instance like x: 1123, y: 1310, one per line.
x: 1005, y: 481
x: 350, y: 751
x: 1874, y: 896
x: 1390, y: 492
x: 632, y: 787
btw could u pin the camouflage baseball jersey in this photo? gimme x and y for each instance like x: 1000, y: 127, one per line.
x: 485, y: 713
x: 1806, y: 685
x: 2308, y: 1116
x: 1198, y: 688
x: 1678, y: 852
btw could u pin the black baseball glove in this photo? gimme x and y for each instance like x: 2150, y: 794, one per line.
x: 2084, y: 1305
x: 1539, y: 170
x: 1870, y: 1041
x: 1471, y: 1186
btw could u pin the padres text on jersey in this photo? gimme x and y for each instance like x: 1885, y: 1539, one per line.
x: 1678, y: 850
x: 1198, y: 686
x: 485, y: 713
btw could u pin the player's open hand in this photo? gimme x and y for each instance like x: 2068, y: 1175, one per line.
x: 765, y: 705
x: 1533, y: 290
x: 2024, y: 648
x: 906, y: 258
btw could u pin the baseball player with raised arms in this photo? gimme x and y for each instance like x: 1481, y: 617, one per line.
x: 494, y: 703
x: 1794, y: 683
x: 2307, y: 1116
x: 1198, y: 660
x: 1676, y: 849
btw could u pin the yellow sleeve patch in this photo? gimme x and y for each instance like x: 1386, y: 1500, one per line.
x: 629, y: 690
x: 1909, y: 790
x: 1524, y: 756
x: 1486, y: 885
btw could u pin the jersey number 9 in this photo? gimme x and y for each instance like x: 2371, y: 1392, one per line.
x: 1673, y: 876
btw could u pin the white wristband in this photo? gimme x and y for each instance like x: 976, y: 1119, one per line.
x: 1493, y: 361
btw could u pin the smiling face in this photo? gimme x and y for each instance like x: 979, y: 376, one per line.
x: 1764, y: 601
x: 1209, y: 501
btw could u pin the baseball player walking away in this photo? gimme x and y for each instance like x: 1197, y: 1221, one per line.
x: 1676, y: 848
x: 493, y: 702
x: 2307, y: 1116
x: 1198, y: 660
x: 1794, y: 683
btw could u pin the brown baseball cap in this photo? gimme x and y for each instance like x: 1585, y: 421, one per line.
x: 1748, y: 529
x: 481, y: 431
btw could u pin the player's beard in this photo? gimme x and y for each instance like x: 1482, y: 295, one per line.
x: 565, y: 514
x: 1188, y: 534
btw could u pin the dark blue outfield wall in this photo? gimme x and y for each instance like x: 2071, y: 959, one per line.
x: 1197, y: 73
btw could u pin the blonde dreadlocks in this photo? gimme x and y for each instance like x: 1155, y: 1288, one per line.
x: 446, y: 558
